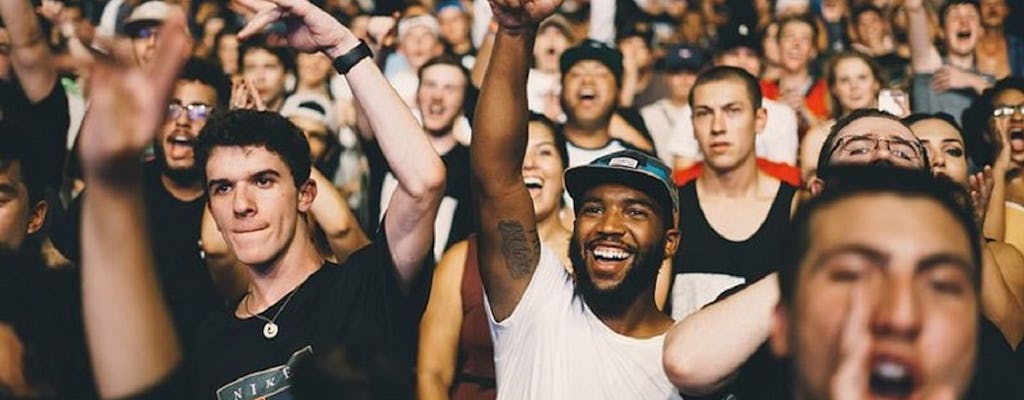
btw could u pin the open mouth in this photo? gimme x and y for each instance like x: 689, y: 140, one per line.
x: 533, y: 184
x: 892, y: 379
x: 180, y: 146
x: 963, y: 35
x: 435, y: 109
x: 610, y: 254
x: 1017, y: 139
x: 587, y: 95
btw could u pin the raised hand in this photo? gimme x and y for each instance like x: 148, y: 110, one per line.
x: 128, y: 102
x: 309, y: 28
x: 245, y: 96
x: 981, y: 185
x: 517, y: 14
x: 51, y: 9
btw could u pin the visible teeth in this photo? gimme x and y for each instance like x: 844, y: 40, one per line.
x: 890, y: 370
x: 533, y: 182
x: 437, y: 109
x: 611, y: 253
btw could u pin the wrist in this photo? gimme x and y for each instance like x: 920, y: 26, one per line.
x: 343, y: 47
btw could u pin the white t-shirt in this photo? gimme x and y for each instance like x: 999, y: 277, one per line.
x: 778, y: 143
x: 581, y: 155
x: 661, y: 118
x: 554, y: 347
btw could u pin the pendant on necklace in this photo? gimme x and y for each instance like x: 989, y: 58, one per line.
x: 269, y: 330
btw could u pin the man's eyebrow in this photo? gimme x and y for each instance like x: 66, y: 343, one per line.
x: 946, y: 259
x: 857, y: 249
x: 8, y: 188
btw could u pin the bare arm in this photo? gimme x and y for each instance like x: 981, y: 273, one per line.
x: 509, y: 246
x: 693, y: 356
x: 124, y: 314
x: 924, y: 57
x: 230, y: 276
x: 420, y: 173
x: 30, y: 54
x: 483, y: 59
x: 440, y: 327
x: 997, y: 301
x: 331, y: 212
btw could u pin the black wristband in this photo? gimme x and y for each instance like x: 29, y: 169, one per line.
x: 346, y: 61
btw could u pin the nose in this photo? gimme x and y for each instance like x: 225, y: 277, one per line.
x: 718, y: 123
x: 897, y: 313
x: 242, y: 203
x: 529, y: 161
x: 611, y: 223
x: 183, y: 118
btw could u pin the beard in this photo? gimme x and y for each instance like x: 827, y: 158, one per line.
x: 615, y: 301
x: 181, y: 176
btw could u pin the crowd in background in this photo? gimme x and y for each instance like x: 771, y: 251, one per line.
x: 602, y: 77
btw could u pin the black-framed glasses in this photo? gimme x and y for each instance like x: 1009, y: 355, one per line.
x: 195, y: 111
x: 863, y: 145
x: 1007, y: 111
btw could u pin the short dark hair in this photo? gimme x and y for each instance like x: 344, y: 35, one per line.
x: 283, y: 54
x: 944, y: 8
x: 243, y: 128
x: 561, y: 144
x: 825, y: 156
x: 446, y: 59
x: 855, y: 180
x: 198, y: 70
x: 17, y: 145
x: 866, y: 8
x: 726, y: 73
x: 802, y: 19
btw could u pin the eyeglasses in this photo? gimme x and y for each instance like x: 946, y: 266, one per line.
x: 1006, y: 111
x: 196, y: 111
x: 146, y: 32
x: 865, y: 145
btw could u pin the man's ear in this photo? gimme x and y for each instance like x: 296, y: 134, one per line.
x: 37, y: 217
x: 307, y: 193
x: 816, y: 186
x: 779, y: 338
x: 760, y: 120
x: 672, y: 237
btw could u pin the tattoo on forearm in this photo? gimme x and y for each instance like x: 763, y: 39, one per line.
x: 519, y: 248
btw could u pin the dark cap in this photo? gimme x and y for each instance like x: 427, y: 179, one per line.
x: 627, y: 167
x: 593, y: 50
x: 731, y: 37
x: 683, y: 57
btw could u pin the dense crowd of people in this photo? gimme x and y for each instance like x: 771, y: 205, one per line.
x: 515, y: 199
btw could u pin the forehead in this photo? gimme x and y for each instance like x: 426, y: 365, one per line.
x: 934, y: 130
x: 188, y: 92
x: 616, y: 193
x: 233, y: 163
x: 260, y: 55
x: 796, y: 28
x: 419, y: 32
x: 721, y: 92
x: 851, y: 64
x: 591, y: 66
x: 878, y: 126
x: 551, y: 31
x: 888, y: 223
x: 539, y: 132
x: 10, y: 173
x: 961, y: 10
x: 1009, y: 97
x: 444, y: 73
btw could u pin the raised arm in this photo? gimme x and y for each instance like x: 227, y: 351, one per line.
x: 30, y: 54
x: 131, y: 340
x: 694, y: 358
x: 924, y: 57
x: 334, y: 216
x: 418, y: 169
x: 509, y: 246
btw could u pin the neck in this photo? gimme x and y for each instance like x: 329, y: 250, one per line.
x: 642, y: 319
x: 275, y: 104
x: 182, y: 191
x: 551, y: 227
x: 678, y: 101
x: 462, y: 48
x: 643, y: 78
x: 994, y: 32
x: 962, y: 61
x: 442, y: 142
x: 270, y: 283
x: 741, y: 181
x: 588, y: 136
x: 318, y: 87
x: 800, y: 76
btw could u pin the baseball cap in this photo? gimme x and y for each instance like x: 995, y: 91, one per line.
x: 558, y: 22
x: 146, y: 14
x: 593, y: 50
x: 444, y: 5
x: 425, y: 20
x: 734, y: 36
x: 638, y: 29
x: 314, y: 106
x: 683, y: 57
x: 626, y: 167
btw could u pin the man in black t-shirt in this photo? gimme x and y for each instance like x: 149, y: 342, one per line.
x: 256, y: 170
x: 443, y: 88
